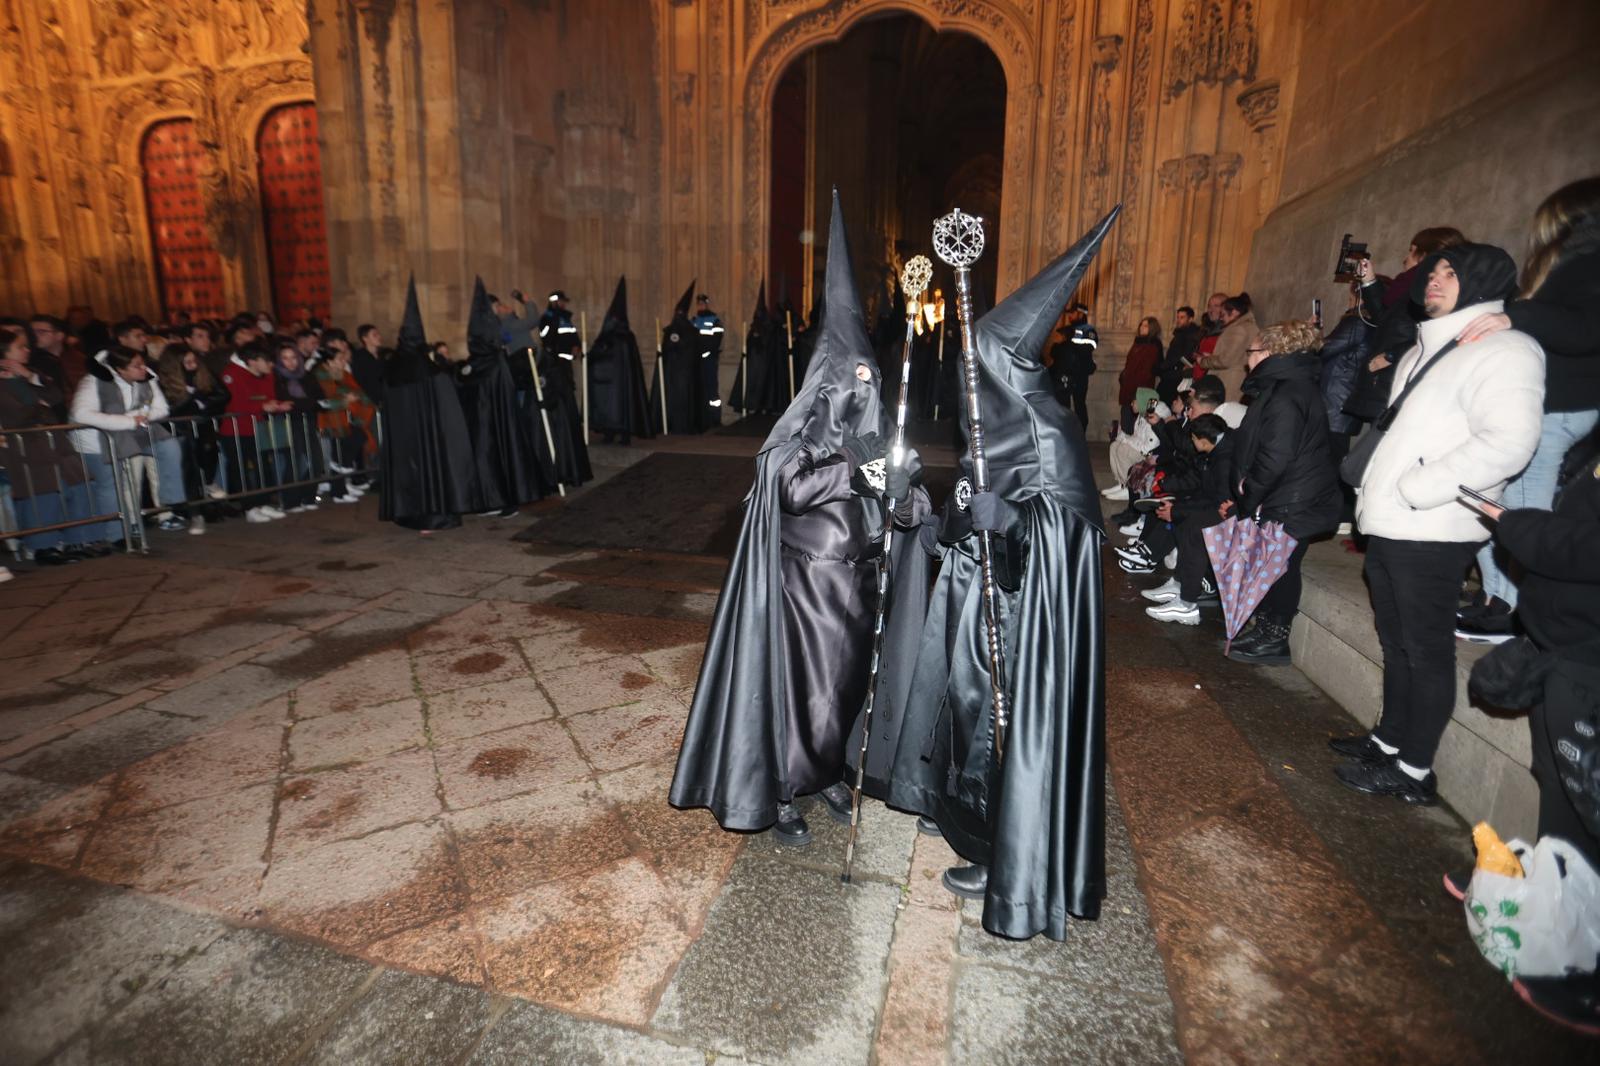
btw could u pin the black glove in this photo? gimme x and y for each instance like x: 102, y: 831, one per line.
x: 989, y: 512
x: 928, y: 537
x: 859, y: 451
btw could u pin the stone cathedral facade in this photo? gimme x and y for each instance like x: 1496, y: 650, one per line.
x: 148, y: 146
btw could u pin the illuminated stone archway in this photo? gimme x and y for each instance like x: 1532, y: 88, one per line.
x: 994, y: 24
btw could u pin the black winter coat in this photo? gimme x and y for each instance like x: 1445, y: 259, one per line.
x: 1177, y: 364
x: 1345, y: 353
x: 1564, y: 317
x: 1282, y: 468
x: 1559, y: 599
x: 1213, y: 483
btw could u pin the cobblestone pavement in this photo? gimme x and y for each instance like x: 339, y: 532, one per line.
x: 327, y: 791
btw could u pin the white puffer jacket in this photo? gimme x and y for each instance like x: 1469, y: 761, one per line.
x: 1474, y: 421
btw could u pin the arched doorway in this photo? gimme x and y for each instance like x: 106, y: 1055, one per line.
x: 188, y: 268
x: 292, y: 214
x: 906, y: 122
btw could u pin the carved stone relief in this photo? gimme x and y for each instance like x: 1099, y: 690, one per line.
x: 1216, y: 44
x: 1140, y: 79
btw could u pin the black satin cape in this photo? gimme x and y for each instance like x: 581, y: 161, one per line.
x: 507, y: 474
x: 428, y: 473
x: 762, y: 383
x: 1037, y: 819
x: 617, y: 400
x: 738, y: 756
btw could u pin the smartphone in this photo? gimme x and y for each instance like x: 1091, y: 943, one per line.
x: 1474, y: 494
x: 1316, y: 312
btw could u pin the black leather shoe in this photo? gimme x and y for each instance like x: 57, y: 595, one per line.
x: 968, y: 882
x: 1361, y: 747
x: 1387, y: 779
x: 791, y: 828
x: 1271, y: 648
x: 52, y: 557
x: 928, y: 827
x: 837, y: 798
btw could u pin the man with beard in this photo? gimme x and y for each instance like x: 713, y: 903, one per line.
x: 1030, y: 816
x: 617, y: 403
x: 1179, y: 361
x: 426, y: 458
x: 506, y: 473
x: 786, y: 665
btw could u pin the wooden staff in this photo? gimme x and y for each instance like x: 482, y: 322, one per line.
x: 744, y: 377
x: 661, y: 376
x: 544, y: 416
x: 788, y: 329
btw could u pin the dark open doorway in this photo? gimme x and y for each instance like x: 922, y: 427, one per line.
x: 908, y: 123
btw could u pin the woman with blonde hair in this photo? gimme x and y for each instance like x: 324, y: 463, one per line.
x: 1558, y: 305
x: 1283, y: 480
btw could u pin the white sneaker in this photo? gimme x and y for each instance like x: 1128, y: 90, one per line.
x: 1175, y: 610
x: 351, y: 498
x: 324, y: 487
x: 1132, y: 529
x: 5, y: 575
x: 216, y: 492
x: 197, y: 526
x: 303, y: 508
x: 257, y: 514
x: 1171, y: 560
x: 1115, y: 492
x: 1165, y: 592
x: 270, y: 511
x: 340, y: 468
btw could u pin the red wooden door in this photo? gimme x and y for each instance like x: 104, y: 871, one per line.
x: 291, y: 205
x: 188, y: 268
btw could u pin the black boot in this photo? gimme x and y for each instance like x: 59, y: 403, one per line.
x: 928, y: 827
x: 1245, y: 641
x: 1272, y: 649
x: 837, y: 798
x: 791, y: 828
x: 968, y: 882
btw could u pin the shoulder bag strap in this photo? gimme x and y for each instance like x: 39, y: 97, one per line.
x: 1386, y: 419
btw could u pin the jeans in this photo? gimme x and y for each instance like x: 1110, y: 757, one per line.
x: 48, y: 508
x: 104, y: 496
x: 1414, y: 586
x: 169, y: 471
x: 1535, y: 487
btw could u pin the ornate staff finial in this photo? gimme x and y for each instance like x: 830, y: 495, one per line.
x: 958, y: 238
x: 915, y: 276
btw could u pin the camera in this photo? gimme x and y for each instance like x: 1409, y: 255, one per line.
x: 1351, y: 253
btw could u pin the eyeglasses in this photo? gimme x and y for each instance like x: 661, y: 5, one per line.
x: 1255, y: 351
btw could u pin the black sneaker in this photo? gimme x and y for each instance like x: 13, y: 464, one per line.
x: 1208, y: 592
x: 1473, y: 608
x: 1493, y: 625
x: 1572, y: 1001
x: 54, y: 557
x: 1387, y: 779
x: 1271, y: 648
x: 1361, y: 748
x: 791, y: 828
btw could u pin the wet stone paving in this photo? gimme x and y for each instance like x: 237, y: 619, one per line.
x: 326, y: 791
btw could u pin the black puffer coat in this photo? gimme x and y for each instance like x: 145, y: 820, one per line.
x: 1281, y: 464
x: 1564, y: 317
x: 1345, y: 353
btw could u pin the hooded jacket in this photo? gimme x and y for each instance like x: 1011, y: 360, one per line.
x: 1474, y: 420
x: 1282, y: 469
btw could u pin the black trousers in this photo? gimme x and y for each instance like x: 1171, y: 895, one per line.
x: 1339, y: 447
x: 1566, y: 730
x: 1194, y: 562
x: 1158, y: 536
x: 1078, y: 400
x: 1415, y: 586
x: 1282, y: 600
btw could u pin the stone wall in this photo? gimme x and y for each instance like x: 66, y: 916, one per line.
x: 1503, y: 107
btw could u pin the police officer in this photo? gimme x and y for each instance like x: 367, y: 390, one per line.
x: 708, y: 345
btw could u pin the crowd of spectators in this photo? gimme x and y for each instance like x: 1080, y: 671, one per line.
x: 197, y: 420
x: 1447, y: 422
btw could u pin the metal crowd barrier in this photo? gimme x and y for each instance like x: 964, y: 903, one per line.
x: 284, y: 456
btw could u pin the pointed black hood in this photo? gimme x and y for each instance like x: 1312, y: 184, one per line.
x: 412, y: 339
x: 617, y: 313
x: 761, y: 316
x: 832, y: 403
x: 1033, y: 444
x: 483, y: 328
x: 682, y: 310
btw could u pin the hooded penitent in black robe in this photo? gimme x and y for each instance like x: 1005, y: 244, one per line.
x: 1037, y: 819
x: 785, y: 668
x: 507, y: 474
x: 762, y: 384
x: 679, y: 359
x: 617, y: 403
x: 426, y: 459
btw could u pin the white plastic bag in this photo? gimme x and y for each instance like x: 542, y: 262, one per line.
x: 1542, y: 924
